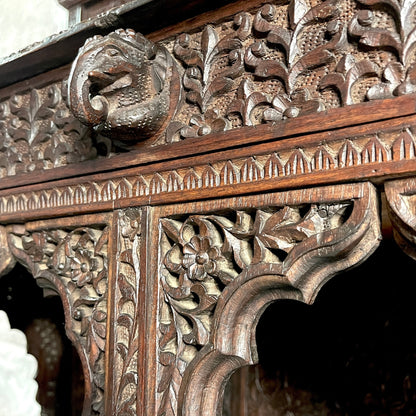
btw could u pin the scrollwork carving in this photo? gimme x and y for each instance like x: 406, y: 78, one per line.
x: 219, y: 271
x: 37, y: 132
x: 127, y: 316
x: 73, y: 263
x: 279, y: 61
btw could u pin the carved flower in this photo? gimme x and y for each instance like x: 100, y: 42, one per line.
x: 293, y: 105
x: 200, y: 257
x: 83, y: 266
x: 201, y: 125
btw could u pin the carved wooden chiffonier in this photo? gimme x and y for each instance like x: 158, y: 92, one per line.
x: 170, y: 186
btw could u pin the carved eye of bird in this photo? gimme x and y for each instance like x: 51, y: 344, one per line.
x: 112, y: 52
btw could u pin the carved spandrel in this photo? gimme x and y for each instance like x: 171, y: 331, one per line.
x: 401, y: 198
x: 279, y: 61
x: 220, y: 270
x: 72, y: 262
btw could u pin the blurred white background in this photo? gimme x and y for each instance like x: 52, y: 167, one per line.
x: 24, y: 22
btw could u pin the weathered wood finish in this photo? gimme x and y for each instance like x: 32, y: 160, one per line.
x: 169, y: 187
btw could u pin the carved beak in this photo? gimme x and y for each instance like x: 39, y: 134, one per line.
x: 107, y: 81
x: 101, y: 79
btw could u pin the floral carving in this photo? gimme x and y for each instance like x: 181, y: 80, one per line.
x: 127, y: 318
x: 199, y: 79
x: 200, y: 258
x: 202, y: 254
x: 398, y: 77
x: 38, y: 132
x: 73, y: 262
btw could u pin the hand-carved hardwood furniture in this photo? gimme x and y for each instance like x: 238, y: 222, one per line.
x: 170, y: 186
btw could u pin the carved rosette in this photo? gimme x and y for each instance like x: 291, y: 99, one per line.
x: 73, y: 263
x: 220, y: 270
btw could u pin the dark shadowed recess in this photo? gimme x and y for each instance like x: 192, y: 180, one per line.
x: 351, y: 353
x: 60, y: 379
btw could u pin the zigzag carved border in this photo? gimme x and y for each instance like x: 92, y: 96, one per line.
x: 346, y: 153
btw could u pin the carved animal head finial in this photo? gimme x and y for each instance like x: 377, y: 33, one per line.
x: 121, y: 85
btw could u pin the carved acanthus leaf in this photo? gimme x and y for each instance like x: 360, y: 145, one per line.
x: 73, y: 263
x: 208, y: 258
x: 125, y: 373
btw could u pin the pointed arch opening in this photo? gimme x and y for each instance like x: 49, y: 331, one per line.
x: 351, y: 352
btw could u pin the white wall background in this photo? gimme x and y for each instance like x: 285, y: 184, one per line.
x: 23, y: 22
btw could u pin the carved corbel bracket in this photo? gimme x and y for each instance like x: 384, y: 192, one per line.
x: 124, y: 85
x: 72, y: 262
x: 401, y: 198
x: 222, y: 268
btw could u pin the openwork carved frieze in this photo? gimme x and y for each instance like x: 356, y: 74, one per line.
x: 280, y: 61
x: 219, y: 270
x: 73, y: 262
x: 38, y: 131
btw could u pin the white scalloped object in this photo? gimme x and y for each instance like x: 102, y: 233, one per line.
x: 17, y: 372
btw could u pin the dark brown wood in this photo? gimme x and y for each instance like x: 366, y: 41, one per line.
x: 170, y: 186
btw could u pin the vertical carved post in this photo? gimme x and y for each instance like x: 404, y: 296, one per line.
x: 223, y: 262
x: 124, y: 293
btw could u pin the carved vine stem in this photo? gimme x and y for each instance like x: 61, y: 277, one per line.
x: 72, y: 262
x: 281, y: 60
x: 126, y: 309
x: 221, y: 269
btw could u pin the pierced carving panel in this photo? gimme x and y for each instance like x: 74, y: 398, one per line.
x: 295, y: 244
x: 292, y: 58
x: 37, y: 132
x: 73, y: 262
x: 282, y: 60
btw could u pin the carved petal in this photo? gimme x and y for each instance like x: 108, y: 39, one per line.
x: 309, y: 265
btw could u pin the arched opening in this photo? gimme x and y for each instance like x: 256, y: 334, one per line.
x: 353, y: 352
x: 60, y: 377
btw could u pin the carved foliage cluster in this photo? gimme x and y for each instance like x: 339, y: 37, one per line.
x: 37, y: 131
x: 126, y: 303
x: 293, y: 58
x: 395, y: 146
x: 73, y: 262
x: 202, y: 254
